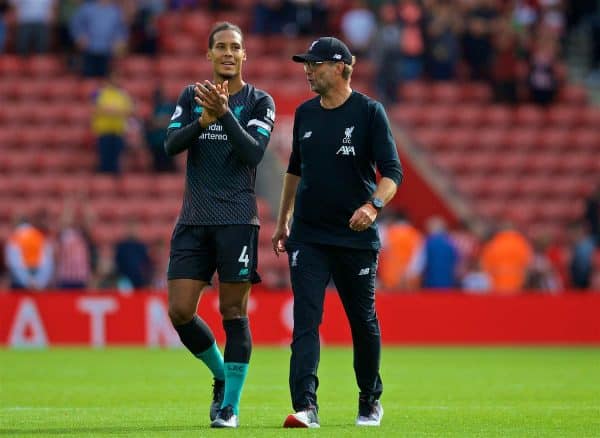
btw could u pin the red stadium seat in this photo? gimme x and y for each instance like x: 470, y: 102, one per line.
x: 449, y: 161
x: 169, y: 186
x: 553, y: 138
x: 30, y: 90
x: 529, y: 116
x: 241, y: 18
x: 76, y: 137
x: 544, y: 162
x: 12, y: 66
x: 169, y: 23
x: 410, y: 115
x: 492, y: 138
x: 61, y: 89
x: 141, y: 88
x: 40, y: 139
x: 18, y: 113
x: 573, y: 95
x: 415, y: 92
x: 563, y: 116
x: 468, y: 115
x: 45, y: 66
x: 438, y: 115
x: 197, y: 25
x: 521, y: 139
x: 429, y: 138
x: 445, y: 92
x: 509, y: 164
x: 103, y: 186
x: 475, y: 93
x: 254, y: 44
x: 175, y: 66
x: 591, y: 116
x: 491, y: 208
x: 459, y: 139
x: 183, y: 44
x: 498, y: 115
x: 137, y: 186
x: 586, y: 140
x: 137, y: 66
x: 470, y: 185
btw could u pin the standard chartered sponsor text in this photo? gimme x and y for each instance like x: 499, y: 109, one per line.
x: 210, y: 134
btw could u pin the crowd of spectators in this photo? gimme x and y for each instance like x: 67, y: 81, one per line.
x: 480, y: 257
x: 474, y: 256
x: 514, y: 45
x: 47, y: 253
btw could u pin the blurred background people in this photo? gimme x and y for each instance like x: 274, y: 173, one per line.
x: 112, y: 109
x: 401, y: 259
x: 440, y: 255
x: 29, y: 256
x: 133, y: 264
x: 155, y: 132
x: 100, y: 32
x: 34, y: 18
x: 506, y: 258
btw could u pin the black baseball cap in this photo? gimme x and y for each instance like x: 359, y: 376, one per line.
x: 326, y: 49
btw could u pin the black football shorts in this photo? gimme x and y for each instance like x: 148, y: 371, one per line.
x: 197, y: 251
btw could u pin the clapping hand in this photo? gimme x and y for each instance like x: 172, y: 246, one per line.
x: 214, y: 98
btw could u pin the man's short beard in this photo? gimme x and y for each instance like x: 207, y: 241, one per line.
x: 228, y: 76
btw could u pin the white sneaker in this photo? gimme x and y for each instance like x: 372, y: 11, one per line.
x: 307, y: 418
x: 225, y: 418
x: 369, y: 414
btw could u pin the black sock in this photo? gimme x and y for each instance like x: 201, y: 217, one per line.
x: 195, y: 335
x: 239, y: 342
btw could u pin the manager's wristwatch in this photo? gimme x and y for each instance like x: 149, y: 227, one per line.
x: 377, y: 203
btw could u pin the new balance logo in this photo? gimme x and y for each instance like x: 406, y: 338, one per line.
x: 346, y: 150
x: 364, y: 271
x: 295, y: 257
x: 307, y: 134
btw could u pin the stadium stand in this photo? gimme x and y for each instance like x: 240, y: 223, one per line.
x: 530, y: 163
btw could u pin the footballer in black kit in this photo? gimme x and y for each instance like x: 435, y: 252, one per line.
x: 225, y: 126
x: 340, y: 138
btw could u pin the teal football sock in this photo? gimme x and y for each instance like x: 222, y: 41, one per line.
x: 235, y: 376
x: 214, y: 361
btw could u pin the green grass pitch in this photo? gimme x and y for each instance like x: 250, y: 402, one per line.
x: 500, y: 392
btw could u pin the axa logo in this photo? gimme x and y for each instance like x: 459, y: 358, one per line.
x: 346, y: 150
x: 295, y: 257
x: 307, y: 134
x: 364, y: 271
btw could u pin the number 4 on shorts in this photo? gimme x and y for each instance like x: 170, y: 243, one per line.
x: 244, y: 256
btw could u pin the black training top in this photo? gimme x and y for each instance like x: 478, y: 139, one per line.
x: 336, y: 152
x: 222, y: 159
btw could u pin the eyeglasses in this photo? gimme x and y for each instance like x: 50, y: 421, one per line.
x: 312, y: 65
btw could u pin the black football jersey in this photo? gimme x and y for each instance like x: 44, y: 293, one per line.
x: 219, y: 186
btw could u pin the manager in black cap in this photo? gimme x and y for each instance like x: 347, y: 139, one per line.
x: 340, y: 138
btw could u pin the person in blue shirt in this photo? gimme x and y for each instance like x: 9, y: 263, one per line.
x: 441, y: 256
